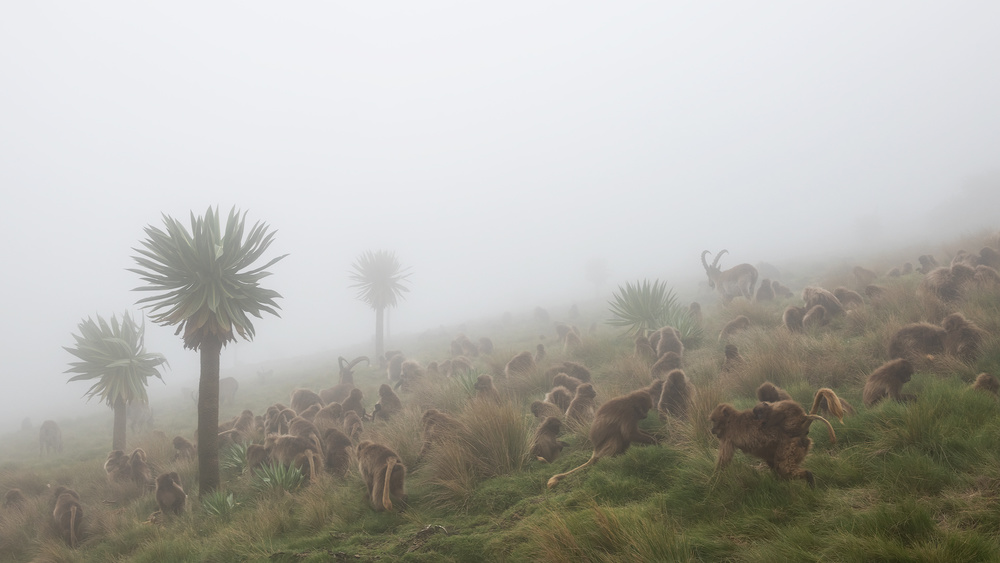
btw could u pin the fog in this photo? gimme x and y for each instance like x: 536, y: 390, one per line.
x: 495, y: 149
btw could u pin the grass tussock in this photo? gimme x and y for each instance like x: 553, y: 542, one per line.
x: 55, y: 551
x: 453, y: 476
x: 493, y: 440
x: 401, y: 433
x: 323, y: 504
x: 833, y: 362
x: 18, y: 532
x: 520, y: 386
x: 607, y: 534
x: 779, y: 359
x: 498, y: 437
x: 442, y: 393
x: 698, y: 429
x: 30, y: 482
x: 983, y: 307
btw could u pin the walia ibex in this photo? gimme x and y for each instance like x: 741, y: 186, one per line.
x: 342, y: 389
x: 736, y: 281
x: 347, y: 368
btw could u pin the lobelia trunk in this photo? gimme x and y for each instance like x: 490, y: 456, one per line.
x: 379, y: 337
x: 208, y: 416
x: 118, y: 431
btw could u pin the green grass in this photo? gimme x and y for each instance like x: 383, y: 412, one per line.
x: 903, y: 482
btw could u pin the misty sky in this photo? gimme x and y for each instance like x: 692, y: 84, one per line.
x: 496, y: 149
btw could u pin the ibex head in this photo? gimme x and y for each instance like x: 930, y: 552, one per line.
x: 347, y: 368
x: 713, y: 271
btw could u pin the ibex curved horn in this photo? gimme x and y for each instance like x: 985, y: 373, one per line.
x: 342, y: 361
x: 718, y: 257
x: 358, y: 360
x: 703, y: 261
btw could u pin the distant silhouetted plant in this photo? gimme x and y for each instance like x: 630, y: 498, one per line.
x: 380, y: 280
x: 114, y: 354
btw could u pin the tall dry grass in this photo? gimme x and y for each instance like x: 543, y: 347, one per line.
x: 492, y: 440
x: 403, y: 433
x: 605, y: 534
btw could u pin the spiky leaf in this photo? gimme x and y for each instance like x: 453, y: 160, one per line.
x: 205, y: 280
x: 113, y: 354
x: 275, y: 476
x: 645, y: 306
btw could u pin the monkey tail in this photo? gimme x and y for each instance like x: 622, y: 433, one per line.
x: 386, y: 501
x: 311, y: 455
x: 833, y: 436
x: 72, y: 527
x: 554, y: 480
x: 832, y: 403
x: 316, y: 442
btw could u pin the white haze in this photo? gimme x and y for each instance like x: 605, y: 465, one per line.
x: 495, y: 148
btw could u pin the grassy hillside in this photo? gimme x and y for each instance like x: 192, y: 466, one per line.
x: 903, y: 482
